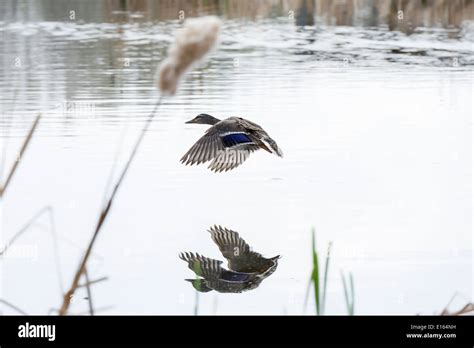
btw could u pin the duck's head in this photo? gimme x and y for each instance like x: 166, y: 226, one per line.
x: 204, y: 119
x: 199, y: 284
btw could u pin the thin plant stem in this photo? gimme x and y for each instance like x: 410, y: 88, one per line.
x: 306, y: 296
x: 92, y: 282
x: 12, y: 306
x: 114, y: 166
x: 89, y: 292
x: 325, y: 280
x: 21, y: 231
x: 351, y: 280
x: 97, y: 310
x: 6, y: 134
x: 320, y: 285
x: 20, y: 155
x: 315, y: 275
x: 348, y: 293
x: 103, y: 215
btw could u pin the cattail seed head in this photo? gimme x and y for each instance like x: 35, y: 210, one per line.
x: 192, y: 42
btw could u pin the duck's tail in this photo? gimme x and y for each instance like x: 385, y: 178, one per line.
x: 272, y: 146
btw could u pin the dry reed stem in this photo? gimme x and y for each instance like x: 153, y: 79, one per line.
x: 97, y: 310
x: 11, y: 305
x: 467, y: 309
x: 23, y: 229
x: 28, y: 138
x: 89, y: 292
x: 7, y: 131
x: 103, y: 215
x: 92, y: 282
x: 30, y: 222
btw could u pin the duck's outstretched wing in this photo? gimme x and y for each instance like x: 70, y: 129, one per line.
x: 238, y: 253
x: 214, y: 277
x: 202, y: 266
x: 232, y: 157
x: 205, y: 149
x: 229, y: 242
x: 226, y: 145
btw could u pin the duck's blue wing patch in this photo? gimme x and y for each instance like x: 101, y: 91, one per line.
x: 234, y: 139
x: 235, y: 277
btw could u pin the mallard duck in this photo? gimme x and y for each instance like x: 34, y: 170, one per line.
x: 215, y: 277
x: 228, y: 143
x: 247, y: 269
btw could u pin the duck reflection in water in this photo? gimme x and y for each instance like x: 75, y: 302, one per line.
x: 247, y: 269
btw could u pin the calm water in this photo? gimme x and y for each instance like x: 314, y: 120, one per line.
x: 375, y: 126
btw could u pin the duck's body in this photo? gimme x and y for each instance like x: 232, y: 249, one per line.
x: 228, y: 143
x: 215, y: 277
x: 247, y: 269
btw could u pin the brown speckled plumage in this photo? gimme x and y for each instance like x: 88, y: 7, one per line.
x: 247, y: 269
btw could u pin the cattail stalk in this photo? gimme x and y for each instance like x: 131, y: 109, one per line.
x: 103, y: 215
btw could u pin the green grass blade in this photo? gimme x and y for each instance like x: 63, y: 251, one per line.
x: 325, y: 279
x: 349, y: 294
x: 315, y: 273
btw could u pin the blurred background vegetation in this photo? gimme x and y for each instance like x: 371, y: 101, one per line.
x: 416, y: 13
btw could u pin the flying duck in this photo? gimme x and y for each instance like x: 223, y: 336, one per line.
x: 228, y: 143
x: 247, y: 269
